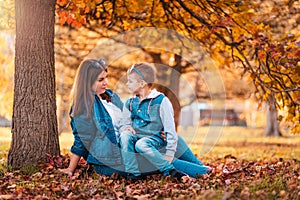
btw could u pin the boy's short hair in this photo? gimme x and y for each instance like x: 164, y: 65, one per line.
x: 145, y: 70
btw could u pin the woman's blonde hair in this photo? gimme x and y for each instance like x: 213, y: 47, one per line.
x: 82, y: 94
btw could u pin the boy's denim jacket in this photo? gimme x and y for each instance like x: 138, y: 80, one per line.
x: 95, y: 138
x: 153, y: 115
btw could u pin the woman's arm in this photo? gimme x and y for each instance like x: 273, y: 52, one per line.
x: 74, y: 159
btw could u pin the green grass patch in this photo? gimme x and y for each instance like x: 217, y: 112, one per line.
x: 3, y: 169
x: 29, y: 169
x: 275, y: 184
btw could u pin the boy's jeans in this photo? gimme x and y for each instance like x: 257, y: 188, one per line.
x: 185, y: 160
x: 148, y: 147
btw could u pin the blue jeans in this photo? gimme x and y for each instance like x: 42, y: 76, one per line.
x: 189, y: 168
x: 108, y: 171
x: 186, y: 161
x: 146, y: 146
x: 147, y: 168
x: 183, y: 152
x: 127, y: 143
x: 186, y: 167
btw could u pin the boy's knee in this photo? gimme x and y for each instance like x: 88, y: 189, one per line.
x: 142, y: 145
x: 126, y: 137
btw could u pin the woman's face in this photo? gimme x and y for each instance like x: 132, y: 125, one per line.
x: 133, y: 83
x: 100, y: 84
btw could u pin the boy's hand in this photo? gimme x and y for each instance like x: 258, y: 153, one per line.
x: 163, y: 135
x: 169, y: 158
x: 130, y: 129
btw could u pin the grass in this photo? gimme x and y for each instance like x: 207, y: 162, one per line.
x: 240, y: 142
x: 210, y: 143
x: 5, y: 138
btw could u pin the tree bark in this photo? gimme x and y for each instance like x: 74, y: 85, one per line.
x: 272, y: 123
x: 34, y: 128
x: 174, y: 86
x: 170, y: 83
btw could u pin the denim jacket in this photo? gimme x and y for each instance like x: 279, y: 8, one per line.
x: 95, y: 138
x: 153, y: 115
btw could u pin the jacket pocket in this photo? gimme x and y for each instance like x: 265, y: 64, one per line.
x: 105, y: 151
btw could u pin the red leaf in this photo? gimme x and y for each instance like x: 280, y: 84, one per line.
x: 261, y: 55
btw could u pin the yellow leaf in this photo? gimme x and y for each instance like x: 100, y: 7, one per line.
x: 97, y: 14
x: 296, y: 129
x: 267, y: 80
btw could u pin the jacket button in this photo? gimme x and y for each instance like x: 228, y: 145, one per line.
x: 139, y: 110
x: 142, y: 120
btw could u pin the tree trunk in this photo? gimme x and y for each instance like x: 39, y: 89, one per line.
x: 272, y: 123
x: 34, y: 128
x: 174, y: 86
x: 169, y: 83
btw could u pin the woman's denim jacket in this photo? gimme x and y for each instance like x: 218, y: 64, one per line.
x: 95, y: 138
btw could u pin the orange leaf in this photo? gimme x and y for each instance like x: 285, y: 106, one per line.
x: 87, y: 9
x: 69, y: 20
x: 261, y: 55
x: 62, y: 21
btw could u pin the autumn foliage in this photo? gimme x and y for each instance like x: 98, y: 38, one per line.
x: 252, y: 35
x: 231, y: 179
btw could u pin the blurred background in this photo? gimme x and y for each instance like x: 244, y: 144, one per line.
x: 236, y: 105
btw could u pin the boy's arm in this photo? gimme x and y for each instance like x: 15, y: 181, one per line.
x: 167, y: 118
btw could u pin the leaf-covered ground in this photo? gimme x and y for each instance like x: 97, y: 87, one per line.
x: 231, y: 178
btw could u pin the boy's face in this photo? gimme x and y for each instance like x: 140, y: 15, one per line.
x: 134, y: 83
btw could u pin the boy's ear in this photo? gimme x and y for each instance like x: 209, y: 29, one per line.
x: 143, y: 83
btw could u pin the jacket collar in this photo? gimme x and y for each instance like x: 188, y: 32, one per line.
x: 153, y: 94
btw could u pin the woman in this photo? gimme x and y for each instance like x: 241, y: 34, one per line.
x: 94, y: 120
x: 155, y: 137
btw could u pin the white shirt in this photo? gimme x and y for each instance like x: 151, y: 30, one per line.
x: 115, y: 114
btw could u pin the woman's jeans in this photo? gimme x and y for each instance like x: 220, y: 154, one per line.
x: 186, y: 161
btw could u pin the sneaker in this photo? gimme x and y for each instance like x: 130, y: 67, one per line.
x: 177, y: 174
x: 134, y: 178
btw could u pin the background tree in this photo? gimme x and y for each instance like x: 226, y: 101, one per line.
x: 84, y: 40
x: 231, y: 31
x: 34, y: 128
x: 6, y: 70
x: 7, y: 19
